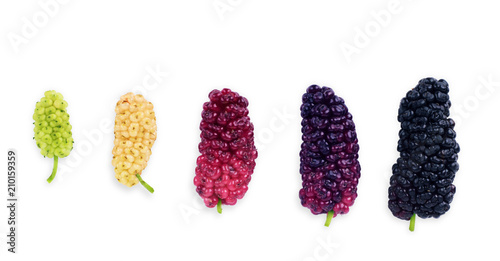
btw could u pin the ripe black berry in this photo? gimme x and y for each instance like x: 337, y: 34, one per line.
x: 329, y: 154
x: 421, y: 182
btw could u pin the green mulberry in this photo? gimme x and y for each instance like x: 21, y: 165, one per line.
x: 52, y: 128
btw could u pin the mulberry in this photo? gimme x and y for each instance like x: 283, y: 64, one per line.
x: 135, y: 134
x: 227, y: 160
x: 329, y: 154
x: 52, y: 128
x: 421, y: 182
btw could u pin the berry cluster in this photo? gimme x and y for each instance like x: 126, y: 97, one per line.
x: 135, y: 134
x: 422, y: 178
x: 329, y: 154
x: 227, y: 149
x: 52, y: 128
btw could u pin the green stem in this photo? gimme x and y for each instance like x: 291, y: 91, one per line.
x: 54, y: 170
x: 219, y: 206
x: 329, y: 218
x: 146, y: 185
x: 412, y: 223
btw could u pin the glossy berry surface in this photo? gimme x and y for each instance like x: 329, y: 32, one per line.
x: 135, y: 135
x: 227, y: 160
x: 329, y: 154
x: 52, y: 128
x: 422, y: 177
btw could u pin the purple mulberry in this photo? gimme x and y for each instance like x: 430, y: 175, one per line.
x: 421, y: 182
x: 227, y: 161
x: 329, y: 154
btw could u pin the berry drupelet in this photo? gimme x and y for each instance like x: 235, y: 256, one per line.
x: 329, y: 154
x: 421, y: 182
x: 227, y: 160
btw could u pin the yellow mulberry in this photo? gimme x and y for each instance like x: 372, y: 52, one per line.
x: 135, y: 134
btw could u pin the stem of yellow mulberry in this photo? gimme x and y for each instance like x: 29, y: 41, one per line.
x: 146, y: 185
x: 54, y: 170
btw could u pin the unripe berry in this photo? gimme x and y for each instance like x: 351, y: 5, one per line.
x: 52, y: 128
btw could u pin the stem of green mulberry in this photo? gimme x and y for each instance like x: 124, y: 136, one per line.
x: 54, y: 170
x: 219, y: 206
x: 146, y: 185
x: 412, y: 223
x: 329, y: 218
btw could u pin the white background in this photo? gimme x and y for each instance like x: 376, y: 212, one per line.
x: 269, y: 51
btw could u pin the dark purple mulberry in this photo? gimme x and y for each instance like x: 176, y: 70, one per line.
x: 421, y: 182
x: 329, y: 156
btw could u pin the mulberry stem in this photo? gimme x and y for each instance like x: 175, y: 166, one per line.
x: 412, y: 223
x: 219, y: 206
x: 54, y: 170
x: 329, y: 218
x: 146, y: 185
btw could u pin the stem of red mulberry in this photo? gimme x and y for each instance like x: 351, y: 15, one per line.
x: 219, y: 206
x: 146, y: 185
x: 329, y: 218
x: 412, y: 223
x: 54, y: 170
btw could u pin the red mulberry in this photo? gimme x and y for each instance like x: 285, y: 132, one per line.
x: 227, y: 149
x: 329, y: 155
x: 421, y: 182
